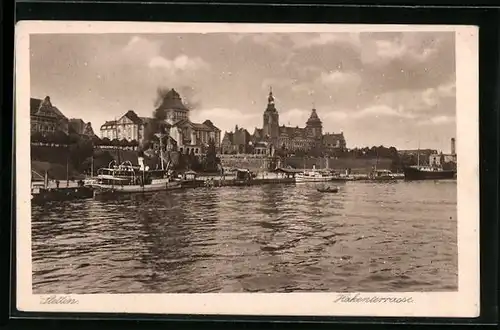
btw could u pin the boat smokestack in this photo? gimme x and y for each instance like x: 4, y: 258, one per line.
x: 453, y: 146
x: 140, y: 160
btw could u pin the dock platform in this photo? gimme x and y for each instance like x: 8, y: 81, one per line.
x: 61, y: 194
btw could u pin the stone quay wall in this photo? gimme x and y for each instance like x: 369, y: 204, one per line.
x: 259, y: 163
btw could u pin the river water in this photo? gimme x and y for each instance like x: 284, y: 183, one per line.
x: 277, y: 238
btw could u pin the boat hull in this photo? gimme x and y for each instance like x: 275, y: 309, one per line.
x: 314, y: 179
x: 342, y: 179
x: 336, y: 190
x: 411, y: 173
x: 102, y: 189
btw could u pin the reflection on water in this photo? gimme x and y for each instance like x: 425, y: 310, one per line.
x: 281, y: 238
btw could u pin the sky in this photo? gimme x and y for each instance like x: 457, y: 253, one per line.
x: 388, y: 88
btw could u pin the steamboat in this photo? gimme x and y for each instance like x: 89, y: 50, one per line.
x: 128, y: 179
x: 427, y: 173
x: 314, y: 176
x: 384, y: 175
x: 430, y: 172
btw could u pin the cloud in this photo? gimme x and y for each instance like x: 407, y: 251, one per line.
x: 386, y: 48
x: 335, y: 115
x: 433, y: 100
x: 294, y: 117
x: 181, y: 63
x: 277, y: 83
x: 306, y: 40
x: 297, y: 40
x: 338, y: 86
x: 141, y: 48
x: 340, y: 78
x: 447, y: 89
x: 438, y: 120
x: 148, y: 52
x: 403, y: 78
x: 272, y: 41
x: 382, y: 110
x: 392, y: 50
x: 407, y: 61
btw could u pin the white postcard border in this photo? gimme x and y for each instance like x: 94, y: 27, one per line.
x: 463, y: 303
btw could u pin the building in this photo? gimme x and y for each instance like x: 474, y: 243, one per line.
x: 189, y: 137
x: 440, y: 159
x: 78, y: 126
x: 194, y: 137
x: 270, y: 124
x: 333, y: 141
x: 184, y: 135
x: 173, y: 108
x: 46, y: 118
x: 237, y: 142
x: 294, y: 138
x: 129, y: 127
x: 227, y: 144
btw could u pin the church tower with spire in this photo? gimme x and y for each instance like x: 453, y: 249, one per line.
x: 270, y: 125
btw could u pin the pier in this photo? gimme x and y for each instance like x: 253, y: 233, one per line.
x: 43, y: 195
x: 192, y: 180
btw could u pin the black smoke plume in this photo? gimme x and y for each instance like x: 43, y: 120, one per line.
x: 161, y: 92
x: 157, y: 123
x: 190, y: 97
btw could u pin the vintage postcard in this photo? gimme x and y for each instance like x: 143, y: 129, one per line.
x: 247, y: 169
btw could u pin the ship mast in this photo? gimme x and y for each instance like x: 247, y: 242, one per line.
x: 67, y: 171
x: 160, y: 136
x: 118, y: 139
x: 418, y: 154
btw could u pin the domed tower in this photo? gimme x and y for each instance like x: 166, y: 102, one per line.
x: 172, y: 108
x: 314, y: 126
x: 270, y: 125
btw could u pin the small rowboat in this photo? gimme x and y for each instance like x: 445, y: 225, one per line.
x: 328, y: 190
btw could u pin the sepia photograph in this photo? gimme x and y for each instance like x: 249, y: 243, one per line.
x: 257, y: 169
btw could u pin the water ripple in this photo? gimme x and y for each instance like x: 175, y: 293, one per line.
x: 282, y: 238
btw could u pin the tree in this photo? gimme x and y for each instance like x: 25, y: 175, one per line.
x: 449, y: 166
x: 106, y: 142
x: 74, y: 138
x: 59, y: 137
x: 194, y: 162
x: 101, y: 159
x: 211, y: 161
x: 37, y: 137
x: 300, y: 153
x: 182, y: 163
x: 96, y: 140
x: 315, y: 151
x: 80, y: 151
